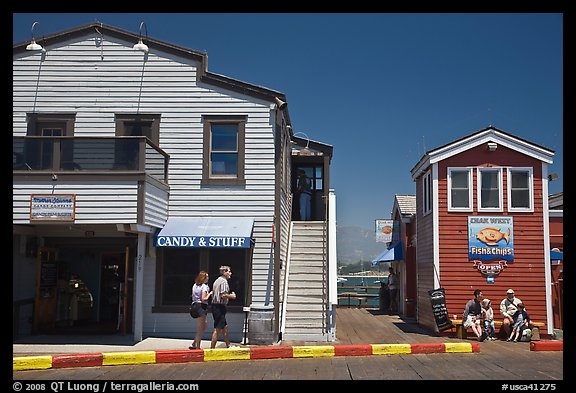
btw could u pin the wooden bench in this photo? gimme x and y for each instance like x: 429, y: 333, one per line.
x: 461, y: 332
x: 362, y: 298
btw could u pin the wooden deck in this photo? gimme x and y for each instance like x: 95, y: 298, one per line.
x: 361, y: 325
x: 370, y: 326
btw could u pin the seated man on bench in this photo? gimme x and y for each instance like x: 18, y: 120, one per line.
x: 508, y: 306
x: 473, y: 314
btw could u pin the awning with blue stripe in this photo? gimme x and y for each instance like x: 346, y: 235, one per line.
x: 556, y: 255
x: 392, y: 253
x: 206, y: 232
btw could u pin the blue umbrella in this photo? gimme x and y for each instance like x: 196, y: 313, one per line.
x: 392, y: 253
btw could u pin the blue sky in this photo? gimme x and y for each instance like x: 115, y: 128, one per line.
x: 381, y: 88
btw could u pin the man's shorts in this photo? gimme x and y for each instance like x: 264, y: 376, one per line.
x: 219, y: 314
x: 471, y: 320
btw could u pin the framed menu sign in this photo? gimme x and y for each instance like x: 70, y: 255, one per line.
x: 438, y: 300
x: 52, y: 207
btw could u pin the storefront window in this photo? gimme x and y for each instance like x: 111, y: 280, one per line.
x: 236, y: 259
x: 179, y: 266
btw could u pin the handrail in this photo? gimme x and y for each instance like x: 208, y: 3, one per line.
x: 286, y: 275
x: 326, y: 281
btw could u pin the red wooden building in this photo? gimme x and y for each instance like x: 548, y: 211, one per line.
x: 483, y: 223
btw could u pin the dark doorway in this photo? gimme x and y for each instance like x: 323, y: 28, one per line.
x: 111, y: 285
x: 314, y: 172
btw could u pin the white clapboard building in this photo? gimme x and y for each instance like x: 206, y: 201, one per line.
x: 134, y: 168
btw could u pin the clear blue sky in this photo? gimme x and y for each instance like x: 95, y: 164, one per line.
x: 381, y: 88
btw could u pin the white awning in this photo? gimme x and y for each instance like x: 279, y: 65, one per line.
x: 206, y: 232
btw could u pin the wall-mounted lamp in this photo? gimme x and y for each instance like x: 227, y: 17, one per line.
x: 304, y: 151
x: 281, y: 104
x: 141, y: 46
x: 33, y: 46
x: 553, y: 176
x: 492, y: 146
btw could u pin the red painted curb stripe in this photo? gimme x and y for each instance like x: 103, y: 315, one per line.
x: 475, y: 347
x: 352, y: 350
x: 546, y: 345
x: 272, y: 352
x: 180, y: 356
x: 428, y: 348
x: 86, y: 360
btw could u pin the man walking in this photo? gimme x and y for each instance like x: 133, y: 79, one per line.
x: 220, y: 296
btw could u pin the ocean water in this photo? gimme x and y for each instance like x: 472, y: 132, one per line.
x: 371, y: 281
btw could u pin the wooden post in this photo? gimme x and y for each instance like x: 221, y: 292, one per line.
x: 125, y: 289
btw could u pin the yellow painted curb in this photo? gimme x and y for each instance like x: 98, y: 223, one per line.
x: 458, y: 347
x: 312, y: 351
x: 31, y: 363
x: 226, y: 354
x: 390, y: 349
x: 117, y: 358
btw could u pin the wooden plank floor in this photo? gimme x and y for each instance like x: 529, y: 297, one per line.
x: 362, y: 325
x: 370, y: 326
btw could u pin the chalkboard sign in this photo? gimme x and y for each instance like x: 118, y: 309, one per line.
x: 438, y: 300
x: 48, y: 274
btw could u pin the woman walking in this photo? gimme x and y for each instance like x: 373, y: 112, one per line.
x: 200, y: 295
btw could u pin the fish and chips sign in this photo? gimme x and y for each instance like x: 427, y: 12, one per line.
x: 490, y: 243
x: 52, y: 207
x: 384, y: 231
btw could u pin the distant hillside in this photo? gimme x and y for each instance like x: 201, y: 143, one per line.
x: 355, y: 244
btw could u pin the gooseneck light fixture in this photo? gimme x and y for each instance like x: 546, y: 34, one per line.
x: 33, y: 46
x: 141, y: 46
x: 305, y: 136
x: 304, y: 151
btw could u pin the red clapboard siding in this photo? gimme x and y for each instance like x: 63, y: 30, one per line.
x: 526, y: 274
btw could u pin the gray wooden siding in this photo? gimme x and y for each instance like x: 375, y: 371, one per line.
x: 73, y: 78
x: 155, y: 206
x: 424, y: 261
x: 114, y: 202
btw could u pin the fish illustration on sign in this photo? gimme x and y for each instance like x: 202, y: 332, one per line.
x: 491, y: 236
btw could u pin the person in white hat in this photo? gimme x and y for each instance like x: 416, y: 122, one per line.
x: 508, y: 306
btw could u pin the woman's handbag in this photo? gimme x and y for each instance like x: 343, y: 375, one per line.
x: 195, y: 309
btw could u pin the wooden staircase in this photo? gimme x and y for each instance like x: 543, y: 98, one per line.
x: 307, y: 293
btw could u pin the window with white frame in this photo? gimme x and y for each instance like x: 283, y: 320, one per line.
x: 459, y: 189
x: 427, y: 192
x: 489, y: 189
x: 520, y: 191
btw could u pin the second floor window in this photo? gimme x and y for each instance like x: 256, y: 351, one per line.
x: 223, y: 162
x: 427, y: 192
x: 459, y: 189
x: 224, y: 150
x: 490, y: 189
x: 520, y: 189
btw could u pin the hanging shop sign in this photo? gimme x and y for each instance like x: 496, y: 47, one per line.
x: 384, y: 230
x: 490, y: 243
x: 52, y: 207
